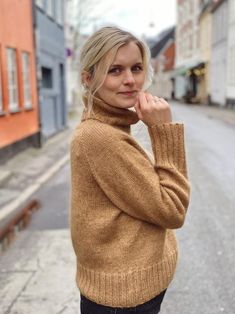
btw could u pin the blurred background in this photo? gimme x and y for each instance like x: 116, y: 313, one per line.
x: 192, y: 44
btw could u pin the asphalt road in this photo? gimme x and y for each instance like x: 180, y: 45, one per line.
x: 37, y: 272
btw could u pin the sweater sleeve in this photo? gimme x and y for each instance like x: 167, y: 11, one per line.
x: 156, y: 193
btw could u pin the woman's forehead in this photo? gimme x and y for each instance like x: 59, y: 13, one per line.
x: 129, y: 53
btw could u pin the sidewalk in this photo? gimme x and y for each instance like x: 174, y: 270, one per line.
x: 25, y: 173
x: 226, y: 115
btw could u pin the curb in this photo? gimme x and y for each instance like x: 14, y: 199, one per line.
x: 10, y: 208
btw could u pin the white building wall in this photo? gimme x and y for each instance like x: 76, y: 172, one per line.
x: 180, y: 86
x: 162, y: 82
x: 187, y: 32
x: 230, y: 92
x: 218, y: 75
x: 187, y: 41
x: 219, y: 54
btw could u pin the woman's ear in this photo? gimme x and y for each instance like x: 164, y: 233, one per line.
x: 86, y: 79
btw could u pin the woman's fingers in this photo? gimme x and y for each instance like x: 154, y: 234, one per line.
x: 149, y: 97
x: 143, y: 103
x: 137, y: 108
x: 164, y: 102
x: 153, y: 109
x: 147, y: 103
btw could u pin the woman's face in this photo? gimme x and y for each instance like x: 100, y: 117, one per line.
x: 125, y: 78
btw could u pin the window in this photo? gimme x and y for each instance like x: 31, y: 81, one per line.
x: 46, y: 78
x: 26, y: 80
x: 12, y: 79
x: 1, y: 100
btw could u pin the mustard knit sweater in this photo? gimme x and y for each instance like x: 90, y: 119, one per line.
x: 124, y: 206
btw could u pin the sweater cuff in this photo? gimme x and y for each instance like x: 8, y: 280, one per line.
x: 168, y: 144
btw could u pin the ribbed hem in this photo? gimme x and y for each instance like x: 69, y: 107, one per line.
x: 126, y: 289
x: 168, y: 144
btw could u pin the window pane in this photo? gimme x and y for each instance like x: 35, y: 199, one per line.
x: 15, y: 95
x: 10, y: 95
x: 46, y: 78
x: 12, y: 78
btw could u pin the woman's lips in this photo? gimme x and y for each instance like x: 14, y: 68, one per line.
x: 128, y: 93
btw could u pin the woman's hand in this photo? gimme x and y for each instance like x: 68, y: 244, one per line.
x: 152, y: 110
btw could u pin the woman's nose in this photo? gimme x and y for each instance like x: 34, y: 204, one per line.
x: 129, y: 78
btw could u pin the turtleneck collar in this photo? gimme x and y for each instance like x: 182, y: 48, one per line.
x: 106, y: 113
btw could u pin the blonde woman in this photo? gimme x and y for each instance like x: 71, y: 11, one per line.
x: 124, y: 206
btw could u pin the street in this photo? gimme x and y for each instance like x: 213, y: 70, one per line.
x: 37, y: 272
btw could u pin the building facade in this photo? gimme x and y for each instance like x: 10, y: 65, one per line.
x: 219, y: 52
x: 19, y: 126
x: 50, y: 48
x: 187, y: 50
x: 205, y: 32
x: 163, y: 59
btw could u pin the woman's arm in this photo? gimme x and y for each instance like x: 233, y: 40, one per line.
x: 156, y: 193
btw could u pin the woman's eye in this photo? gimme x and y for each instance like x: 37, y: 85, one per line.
x: 115, y: 70
x: 137, y: 68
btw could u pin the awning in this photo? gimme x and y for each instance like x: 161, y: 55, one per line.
x: 188, y: 66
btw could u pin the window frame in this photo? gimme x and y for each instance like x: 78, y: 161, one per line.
x: 26, y: 79
x: 49, y: 8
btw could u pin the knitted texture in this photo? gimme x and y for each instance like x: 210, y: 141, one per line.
x: 124, y: 206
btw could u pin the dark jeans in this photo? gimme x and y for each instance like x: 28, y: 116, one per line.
x: 151, y: 307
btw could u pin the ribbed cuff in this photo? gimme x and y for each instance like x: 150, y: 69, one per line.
x: 168, y: 144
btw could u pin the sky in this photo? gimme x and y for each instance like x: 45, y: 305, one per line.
x: 141, y: 17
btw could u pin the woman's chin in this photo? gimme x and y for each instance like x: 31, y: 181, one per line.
x: 130, y: 103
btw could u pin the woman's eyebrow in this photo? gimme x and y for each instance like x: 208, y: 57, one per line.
x: 116, y: 65
x: 121, y: 65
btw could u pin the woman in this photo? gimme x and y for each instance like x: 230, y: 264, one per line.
x: 123, y: 205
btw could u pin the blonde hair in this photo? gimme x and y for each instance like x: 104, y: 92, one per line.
x: 94, y: 61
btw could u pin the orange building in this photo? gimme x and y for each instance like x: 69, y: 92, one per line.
x: 169, y: 56
x: 19, y: 124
